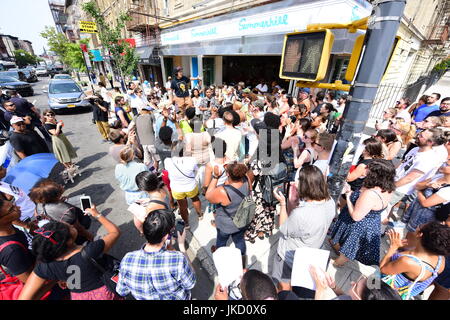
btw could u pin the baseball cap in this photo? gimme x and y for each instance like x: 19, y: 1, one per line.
x: 177, y: 69
x: 307, y: 90
x: 16, y: 119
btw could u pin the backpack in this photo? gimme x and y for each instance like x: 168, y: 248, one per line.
x: 246, y: 210
x: 270, y: 180
x: 109, y: 268
x: 11, y: 286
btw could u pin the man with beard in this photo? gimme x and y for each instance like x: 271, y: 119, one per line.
x: 444, y: 109
x: 424, y: 110
x: 419, y: 164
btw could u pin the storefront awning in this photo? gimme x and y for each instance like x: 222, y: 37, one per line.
x: 260, y: 30
x: 144, y: 53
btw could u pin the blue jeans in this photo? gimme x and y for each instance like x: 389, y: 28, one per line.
x: 238, y: 239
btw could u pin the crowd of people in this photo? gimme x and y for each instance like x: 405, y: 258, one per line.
x: 259, y: 157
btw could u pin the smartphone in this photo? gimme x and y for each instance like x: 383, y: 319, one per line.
x: 179, y: 227
x: 115, y: 278
x: 85, y: 202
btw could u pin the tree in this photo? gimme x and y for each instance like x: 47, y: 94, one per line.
x: 69, y: 53
x: 124, y: 55
x: 24, y: 58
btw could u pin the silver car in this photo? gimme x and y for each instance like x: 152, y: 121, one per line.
x: 66, y: 94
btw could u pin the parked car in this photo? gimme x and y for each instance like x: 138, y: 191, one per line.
x: 56, y: 70
x: 62, y: 76
x: 19, y: 75
x: 10, y: 83
x: 65, y: 94
x: 31, y: 75
x: 41, y: 72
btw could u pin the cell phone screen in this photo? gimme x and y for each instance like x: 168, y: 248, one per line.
x: 85, y: 203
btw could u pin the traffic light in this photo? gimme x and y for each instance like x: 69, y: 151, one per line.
x: 306, y: 55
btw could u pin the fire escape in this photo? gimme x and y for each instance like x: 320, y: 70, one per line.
x: 438, y: 33
x: 145, y: 21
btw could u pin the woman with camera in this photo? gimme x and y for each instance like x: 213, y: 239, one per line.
x: 62, y: 148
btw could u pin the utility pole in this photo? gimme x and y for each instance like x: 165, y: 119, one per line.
x: 380, y: 35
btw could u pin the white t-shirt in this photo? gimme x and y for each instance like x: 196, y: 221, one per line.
x: 444, y: 192
x: 105, y: 95
x: 262, y: 87
x: 233, y: 138
x: 216, y: 123
x: 183, y: 181
x: 415, y: 160
x: 139, y: 103
x: 22, y: 200
x: 404, y: 114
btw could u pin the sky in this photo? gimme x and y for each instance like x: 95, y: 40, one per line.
x: 26, y: 19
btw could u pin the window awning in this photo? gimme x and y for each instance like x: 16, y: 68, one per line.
x: 144, y: 54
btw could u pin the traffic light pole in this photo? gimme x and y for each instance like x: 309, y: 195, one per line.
x: 380, y: 36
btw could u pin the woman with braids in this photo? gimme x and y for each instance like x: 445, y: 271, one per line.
x: 356, y: 233
x: 58, y: 257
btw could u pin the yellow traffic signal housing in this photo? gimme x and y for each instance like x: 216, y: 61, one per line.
x: 356, y: 56
x: 306, y: 55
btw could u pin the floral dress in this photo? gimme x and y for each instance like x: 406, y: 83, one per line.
x: 264, y: 214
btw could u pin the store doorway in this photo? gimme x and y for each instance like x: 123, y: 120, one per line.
x: 251, y: 69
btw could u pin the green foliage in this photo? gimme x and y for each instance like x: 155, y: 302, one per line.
x: 443, y: 65
x: 24, y: 58
x: 69, y: 53
x: 111, y: 38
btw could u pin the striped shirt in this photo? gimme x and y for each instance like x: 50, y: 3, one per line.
x: 162, y: 275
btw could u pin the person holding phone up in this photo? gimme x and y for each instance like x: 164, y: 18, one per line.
x: 59, y: 258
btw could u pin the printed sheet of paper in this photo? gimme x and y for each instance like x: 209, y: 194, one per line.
x: 137, y: 210
x: 303, y: 258
x: 228, y: 262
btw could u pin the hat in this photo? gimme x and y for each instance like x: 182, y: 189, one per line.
x: 148, y: 108
x: 246, y: 90
x: 307, y: 90
x: 16, y: 119
x: 177, y: 69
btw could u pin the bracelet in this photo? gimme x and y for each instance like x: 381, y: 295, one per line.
x: 215, y: 177
x: 97, y: 217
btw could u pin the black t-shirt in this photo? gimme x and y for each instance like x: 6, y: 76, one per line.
x: 90, y: 276
x: 51, y: 126
x: 15, y: 258
x: 180, y: 86
x: 99, y: 114
x: 438, y: 113
x: 29, y: 143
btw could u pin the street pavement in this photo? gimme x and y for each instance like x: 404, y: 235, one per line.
x: 97, y: 180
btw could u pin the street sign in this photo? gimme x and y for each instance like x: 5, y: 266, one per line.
x: 87, y: 60
x: 306, y: 55
x: 87, y: 27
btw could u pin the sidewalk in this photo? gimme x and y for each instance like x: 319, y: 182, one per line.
x: 260, y: 254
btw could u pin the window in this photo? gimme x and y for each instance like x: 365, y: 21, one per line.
x: 63, y: 88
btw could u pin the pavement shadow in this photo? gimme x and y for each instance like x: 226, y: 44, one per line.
x: 99, y: 193
x: 85, y: 174
x: 90, y: 159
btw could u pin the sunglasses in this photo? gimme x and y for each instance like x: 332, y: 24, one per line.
x: 315, y: 143
x: 46, y: 234
x: 50, y: 115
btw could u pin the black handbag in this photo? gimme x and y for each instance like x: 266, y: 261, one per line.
x: 109, y: 268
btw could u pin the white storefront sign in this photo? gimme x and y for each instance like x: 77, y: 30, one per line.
x: 277, y: 21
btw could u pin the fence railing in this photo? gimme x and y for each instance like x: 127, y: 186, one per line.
x: 389, y: 93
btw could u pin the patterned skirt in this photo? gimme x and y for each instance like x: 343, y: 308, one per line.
x: 101, y: 293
